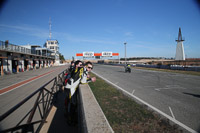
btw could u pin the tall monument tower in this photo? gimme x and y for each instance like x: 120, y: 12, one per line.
x: 180, y: 55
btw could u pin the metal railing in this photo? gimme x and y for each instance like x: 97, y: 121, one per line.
x: 14, y: 48
x: 61, y: 79
x: 34, y: 119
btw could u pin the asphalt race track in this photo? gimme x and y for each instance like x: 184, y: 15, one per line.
x: 176, y: 95
x: 16, y: 94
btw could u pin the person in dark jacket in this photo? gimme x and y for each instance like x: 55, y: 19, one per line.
x: 72, y: 66
x: 78, y: 76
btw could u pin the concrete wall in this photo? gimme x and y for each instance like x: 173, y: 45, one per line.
x: 93, y: 118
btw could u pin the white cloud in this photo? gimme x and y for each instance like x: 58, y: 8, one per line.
x: 77, y: 39
x: 129, y: 34
x: 34, y: 31
x: 26, y: 30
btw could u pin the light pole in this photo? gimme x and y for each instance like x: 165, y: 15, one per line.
x: 125, y: 52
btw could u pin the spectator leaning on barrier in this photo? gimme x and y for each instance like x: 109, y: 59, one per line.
x: 72, y: 67
x: 74, y: 79
x: 70, y: 70
x: 88, y: 68
x: 78, y: 76
x: 77, y: 65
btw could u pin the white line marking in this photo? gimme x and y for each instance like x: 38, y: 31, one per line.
x: 16, y: 83
x: 152, y: 107
x: 172, y: 113
x: 116, y: 83
x: 133, y: 92
x: 168, y: 87
x: 22, y: 84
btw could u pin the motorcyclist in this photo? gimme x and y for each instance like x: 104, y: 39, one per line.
x: 127, y: 68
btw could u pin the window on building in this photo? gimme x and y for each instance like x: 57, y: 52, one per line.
x: 51, y: 47
x: 49, y: 42
x: 52, y: 42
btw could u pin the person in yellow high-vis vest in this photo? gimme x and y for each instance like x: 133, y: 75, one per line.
x: 78, y: 76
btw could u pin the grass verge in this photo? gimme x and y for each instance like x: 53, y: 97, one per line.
x: 125, y: 115
x: 168, y: 70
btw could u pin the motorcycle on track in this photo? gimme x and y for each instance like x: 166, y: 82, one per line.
x: 127, y: 68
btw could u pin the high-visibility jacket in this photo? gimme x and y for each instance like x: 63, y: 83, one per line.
x: 79, y: 75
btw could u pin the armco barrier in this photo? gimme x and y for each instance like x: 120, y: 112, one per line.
x: 93, y: 119
x: 36, y: 115
x: 172, y: 67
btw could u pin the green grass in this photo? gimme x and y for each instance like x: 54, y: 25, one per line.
x: 125, y: 115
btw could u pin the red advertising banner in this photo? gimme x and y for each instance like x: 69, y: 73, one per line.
x: 97, y: 54
x: 79, y: 54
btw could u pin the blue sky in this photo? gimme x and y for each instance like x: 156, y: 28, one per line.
x: 149, y: 27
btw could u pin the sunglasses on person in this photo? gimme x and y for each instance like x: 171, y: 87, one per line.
x: 90, y: 68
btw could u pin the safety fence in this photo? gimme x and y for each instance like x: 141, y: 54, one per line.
x: 42, y: 52
x: 39, y: 104
x: 172, y: 67
x: 14, y: 48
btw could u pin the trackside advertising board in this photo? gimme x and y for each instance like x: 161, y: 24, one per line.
x: 107, y: 54
x: 92, y: 54
x: 88, y: 54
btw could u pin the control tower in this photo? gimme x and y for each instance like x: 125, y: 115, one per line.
x: 180, y: 55
x: 53, y: 45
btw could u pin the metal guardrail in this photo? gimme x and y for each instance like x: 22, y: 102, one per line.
x: 172, y: 67
x: 61, y: 79
x: 14, y: 48
x: 36, y: 116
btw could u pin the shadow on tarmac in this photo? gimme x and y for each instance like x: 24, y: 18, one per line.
x: 121, y: 71
x: 59, y: 122
x: 194, y: 95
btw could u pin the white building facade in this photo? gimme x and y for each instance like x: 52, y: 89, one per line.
x: 54, y: 46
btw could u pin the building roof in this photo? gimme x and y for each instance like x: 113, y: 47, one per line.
x: 52, y: 40
x: 45, y: 49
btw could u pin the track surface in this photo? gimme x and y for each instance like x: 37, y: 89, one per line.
x: 176, y: 95
x: 15, y: 87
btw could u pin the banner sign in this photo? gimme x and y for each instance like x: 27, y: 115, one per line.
x: 88, y: 54
x: 79, y: 54
x: 115, y: 54
x: 108, y: 54
x: 91, y: 54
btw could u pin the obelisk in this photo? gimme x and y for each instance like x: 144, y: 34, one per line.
x: 180, y: 55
